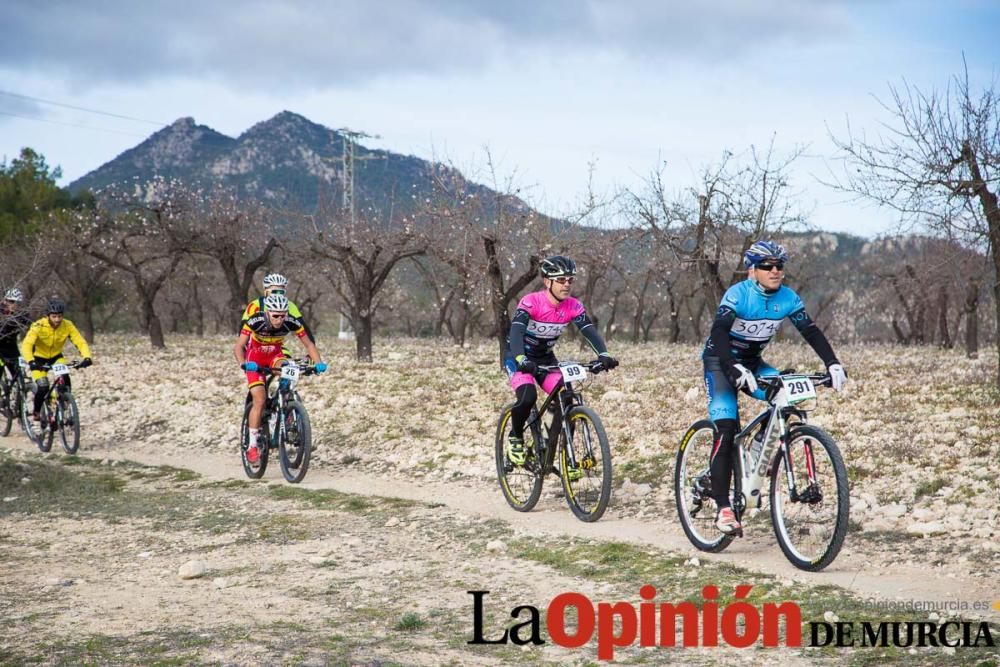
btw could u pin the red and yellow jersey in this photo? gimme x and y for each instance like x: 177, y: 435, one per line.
x: 42, y: 340
x: 263, y: 333
x: 257, y: 305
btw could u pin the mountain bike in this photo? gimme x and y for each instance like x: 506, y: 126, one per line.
x: 574, y: 434
x: 808, y: 494
x: 284, y: 423
x: 57, y: 413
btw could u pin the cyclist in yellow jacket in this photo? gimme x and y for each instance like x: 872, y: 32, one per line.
x: 43, y: 345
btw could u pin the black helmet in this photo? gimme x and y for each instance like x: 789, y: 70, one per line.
x: 55, y: 306
x: 557, y: 265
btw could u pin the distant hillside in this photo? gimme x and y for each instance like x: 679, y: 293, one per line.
x: 287, y: 160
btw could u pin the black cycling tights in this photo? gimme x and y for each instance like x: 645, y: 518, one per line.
x: 526, y: 396
x: 722, y: 461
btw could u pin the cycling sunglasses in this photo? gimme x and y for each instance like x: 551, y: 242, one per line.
x: 769, y: 267
x: 564, y: 280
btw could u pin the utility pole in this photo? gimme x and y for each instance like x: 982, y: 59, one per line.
x: 347, y: 162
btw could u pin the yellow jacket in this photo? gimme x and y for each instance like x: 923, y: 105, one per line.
x: 44, y: 341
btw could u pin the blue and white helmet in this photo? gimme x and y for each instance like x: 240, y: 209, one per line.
x: 15, y: 295
x: 764, y: 250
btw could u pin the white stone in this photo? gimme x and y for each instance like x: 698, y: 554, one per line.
x: 641, y: 490
x: 830, y: 617
x: 220, y: 582
x: 925, y: 528
x: 145, y: 554
x: 496, y: 546
x: 393, y: 521
x: 614, y: 396
x: 192, y: 569
x: 894, y: 510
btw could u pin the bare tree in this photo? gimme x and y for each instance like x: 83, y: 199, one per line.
x: 937, y: 165
x: 144, y: 237
x: 237, y: 235
x: 363, y: 250
x: 510, y: 233
x: 737, y: 202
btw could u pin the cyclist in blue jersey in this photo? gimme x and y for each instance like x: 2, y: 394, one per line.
x: 751, y: 313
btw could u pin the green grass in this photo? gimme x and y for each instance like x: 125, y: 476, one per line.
x: 929, y: 488
x: 409, y: 622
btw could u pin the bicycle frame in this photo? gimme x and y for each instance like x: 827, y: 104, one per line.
x: 754, y: 466
x: 568, y: 398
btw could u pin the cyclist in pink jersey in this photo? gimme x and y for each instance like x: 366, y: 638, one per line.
x: 539, y: 320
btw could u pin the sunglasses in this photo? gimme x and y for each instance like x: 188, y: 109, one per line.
x: 564, y: 280
x: 277, y: 291
x: 769, y: 267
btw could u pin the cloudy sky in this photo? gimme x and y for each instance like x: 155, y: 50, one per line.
x: 549, y: 86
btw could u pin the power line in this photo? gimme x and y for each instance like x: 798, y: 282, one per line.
x: 57, y: 122
x: 77, y: 108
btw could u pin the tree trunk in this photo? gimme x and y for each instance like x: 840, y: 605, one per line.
x: 972, y: 320
x: 988, y: 200
x: 946, y: 341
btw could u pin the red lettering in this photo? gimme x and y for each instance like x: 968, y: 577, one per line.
x: 607, y: 640
x: 555, y: 620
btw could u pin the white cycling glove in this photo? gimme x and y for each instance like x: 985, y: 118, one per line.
x: 838, y: 376
x: 745, y: 378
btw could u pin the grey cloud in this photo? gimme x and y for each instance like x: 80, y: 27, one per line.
x: 311, y: 43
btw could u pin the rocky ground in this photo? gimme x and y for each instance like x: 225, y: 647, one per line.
x: 369, y: 561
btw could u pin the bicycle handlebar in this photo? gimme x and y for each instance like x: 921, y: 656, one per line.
x: 823, y: 379
x: 594, y: 367
x: 72, y: 364
x: 305, y: 365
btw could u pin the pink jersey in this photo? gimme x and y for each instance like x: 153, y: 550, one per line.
x: 546, y: 321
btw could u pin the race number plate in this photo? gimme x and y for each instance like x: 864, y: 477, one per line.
x: 290, y: 372
x: 60, y: 369
x: 798, y: 389
x: 573, y: 372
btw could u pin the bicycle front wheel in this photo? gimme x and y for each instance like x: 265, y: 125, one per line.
x: 68, y: 422
x: 809, y: 498
x: 587, y: 483
x: 521, y: 484
x: 294, y: 442
x: 46, y: 426
x: 693, y: 488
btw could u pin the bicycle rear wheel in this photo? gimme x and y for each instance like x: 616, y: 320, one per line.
x: 521, y: 485
x: 6, y: 404
x: 294, y: 442
x: 810, y: 518
x: 253, y: 470
x: 693, y: 488
x: 588, y: 483
x: 68, y: 422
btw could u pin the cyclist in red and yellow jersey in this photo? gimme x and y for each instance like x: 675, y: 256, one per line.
x: 43, y: 344
x: 260, y: 344
x: 275, y: 283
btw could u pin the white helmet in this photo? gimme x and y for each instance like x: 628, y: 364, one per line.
x: 15, y: 295
x: 275, y: 280
x: 276, y: 303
